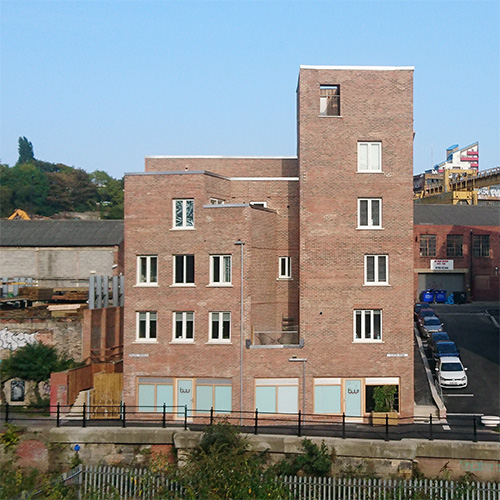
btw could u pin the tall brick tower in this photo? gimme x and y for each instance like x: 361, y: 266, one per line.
x: 355, y: 144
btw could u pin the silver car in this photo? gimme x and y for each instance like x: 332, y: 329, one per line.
x: 429, y: 325
x: 450, y: 372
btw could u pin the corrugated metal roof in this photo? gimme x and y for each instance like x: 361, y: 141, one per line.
x: 60, y: 233
x: 457, y: 215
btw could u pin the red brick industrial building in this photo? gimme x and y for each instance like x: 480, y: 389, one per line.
x: 453, y: 243
x: 235, y: 266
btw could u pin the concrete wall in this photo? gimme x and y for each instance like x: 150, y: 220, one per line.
x: 63, y: 333
x: 132, y: 446
x: 58, y: 267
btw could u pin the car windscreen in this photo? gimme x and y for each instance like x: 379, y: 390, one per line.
x: 451, y: 367
x: 432, y: 322
x: 440, y: 336
x: 445, y: 347
x: 426, y: 312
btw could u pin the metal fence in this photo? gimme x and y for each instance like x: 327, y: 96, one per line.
x: 463, y: 427
x: 117, y: 482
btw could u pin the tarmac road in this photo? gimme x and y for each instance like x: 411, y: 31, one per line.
x: 478, y: 338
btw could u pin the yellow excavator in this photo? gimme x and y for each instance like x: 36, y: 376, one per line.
x: 19, y: 214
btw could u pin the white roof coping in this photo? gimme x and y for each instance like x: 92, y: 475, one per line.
x: 368, y: 68
x: 230, y: 157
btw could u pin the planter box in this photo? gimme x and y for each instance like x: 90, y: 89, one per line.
x: 378, y: 418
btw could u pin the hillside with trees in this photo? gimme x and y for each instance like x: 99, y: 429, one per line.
x: 45, y: 189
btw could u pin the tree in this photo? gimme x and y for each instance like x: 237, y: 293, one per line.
x: 222, y: 467
x: 25, y: 149
x: 34, y: 362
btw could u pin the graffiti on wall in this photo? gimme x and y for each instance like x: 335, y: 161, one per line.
x: 13, y: 340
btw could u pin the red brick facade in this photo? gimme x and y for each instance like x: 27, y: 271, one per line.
x: 483, y: 264
x: 311, y: 216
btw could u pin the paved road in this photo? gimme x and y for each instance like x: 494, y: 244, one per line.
x: 478, y: 338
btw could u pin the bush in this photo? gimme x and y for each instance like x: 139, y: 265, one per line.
x: 316, y: 461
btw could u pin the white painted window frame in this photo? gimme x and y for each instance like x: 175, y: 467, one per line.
x: 376, y: 263
x: 370, y: 212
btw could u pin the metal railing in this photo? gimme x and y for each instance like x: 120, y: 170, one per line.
x: 463, y: 427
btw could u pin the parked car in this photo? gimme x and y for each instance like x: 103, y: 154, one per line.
x: 445, y: 348
x: 423, y: 313
x: 417, y: 307
x: 436, y: 337
x: 430, y: 324
x: 450, y: 372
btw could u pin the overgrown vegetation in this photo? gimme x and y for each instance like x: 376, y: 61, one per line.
x: 316, y: 461
x: 44, y: 188
x: 34, y: 362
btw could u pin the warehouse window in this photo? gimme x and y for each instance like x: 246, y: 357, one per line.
x: 183, y: 325
x: 220, y: 326
x: 454, y: 245
x: 184, y: 214
x: 427, y: 245
x: 481, y: 245
x: 220, y: 270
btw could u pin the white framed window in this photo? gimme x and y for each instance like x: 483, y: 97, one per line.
x: 216, y: 201
x: 369, y: 213
x: 376, y: 269
x: 367, y: 325
x: 220, y: 327
x: 183, y: 325
x: 183, y: 214
x: 147, y: 269
x: 220, y: 270
x: 261, y: 204
x: 285, y: 267
x: 369, y: 157
x: 183, y: 269
x: 146, y: 326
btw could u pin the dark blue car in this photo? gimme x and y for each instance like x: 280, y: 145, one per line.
x: 437, y: 337
x: 446, y: 348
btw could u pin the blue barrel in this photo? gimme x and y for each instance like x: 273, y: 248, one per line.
x: 440, y: 296
x: 428, y: 296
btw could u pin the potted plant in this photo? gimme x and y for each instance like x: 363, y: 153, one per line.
x: 384, y: 396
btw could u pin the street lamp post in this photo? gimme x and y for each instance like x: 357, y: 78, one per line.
x: 241, y: 244
x: 303, y: 361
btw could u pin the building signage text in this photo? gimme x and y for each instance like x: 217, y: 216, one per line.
x: 441, y: 265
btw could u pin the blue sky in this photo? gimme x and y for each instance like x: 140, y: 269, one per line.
x: 101, y: 84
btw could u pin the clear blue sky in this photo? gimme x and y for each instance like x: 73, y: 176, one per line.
x: 101, y: 84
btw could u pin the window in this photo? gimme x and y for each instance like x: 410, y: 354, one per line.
x: 147, y: 270
x: 369, y: 157
x: 183, y: 269
x: 376, y: 269
x: 184, y: 214
x: 329, y: 100
x: 183, y: 325
x: 367, y: 325
x: 154, y: 392
x: 220, y: 326
x: 146, y: 325
x: 285, y: 270
x: 369, y: 213
x: 454, y: 245
x: 220, y: 269
x: 277, y: 395
x: 372, y: 383
x: 260, y: 204
x: 327, y: 395
x: 216, y: 201
x: 481, y: 245
x: 427, y: 245
x: 213, y: 393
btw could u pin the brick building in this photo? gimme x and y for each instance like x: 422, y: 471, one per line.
x: 453, y: 243
x: 235, y: 266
